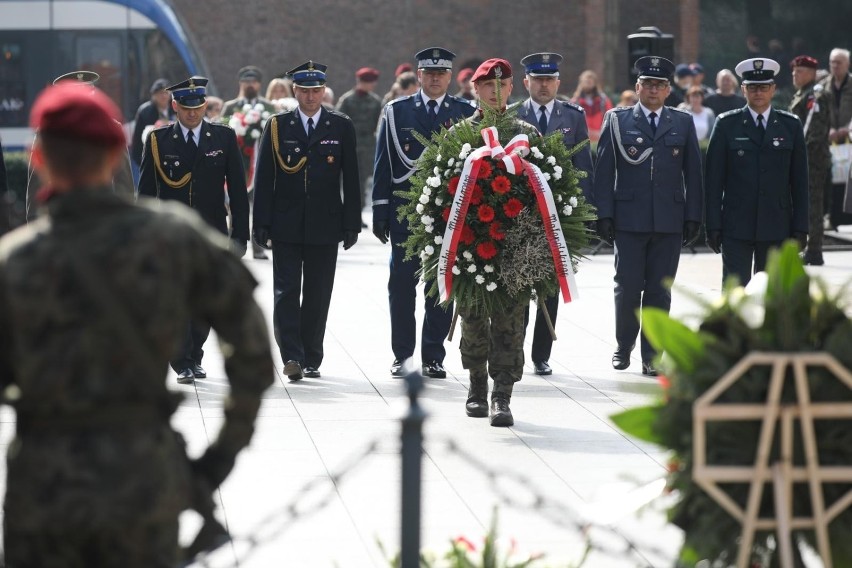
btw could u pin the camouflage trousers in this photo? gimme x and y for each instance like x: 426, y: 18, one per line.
x: 494, y: 345
x: 141, y: 546
x: 816, y: 187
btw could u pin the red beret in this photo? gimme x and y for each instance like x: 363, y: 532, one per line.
x: 804, y: 61
x: 488, y: 70
x: 402, y: 68
x: 465, y: 74
x: 73, y: 110
x: 367, y: 74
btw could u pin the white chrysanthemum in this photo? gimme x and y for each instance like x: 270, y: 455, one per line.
x: 457, y: 170
x: 573, y: 201
x: 259, y: 107
x: 423, y: 255
x: 491, y: 286
x: 426, y: 220
x: 429, y: 249
x: 246, y: 107
x: 466, y: 254
x: 424, y: 199
x: 489, y: 268
x: 546, y: 176
x: 480, y: 279
x: 437, y: 171
x: 240, y: 130
x: 439, y: 201
x: 471, y: 268
x: 551, y: 160
x: 419, y: 208
x: 567, y: 210
x: 255, y: 134
x: 448, y: 173
x: 429, y: 228
x: 558, y: 199
x: 536, y: 153
x: 265, y: 114
x: 450, y: 162
x: 456, y: 270
x: 438, y: 158
x: 438, y: 239
x: 557, y: 169
x: 427, y: 191
x: 434, y: 181
x: 557, y: 176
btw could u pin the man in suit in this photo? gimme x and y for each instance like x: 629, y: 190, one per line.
x: 158, y: 108
x: 306, y: 155
x: 542, y: 110
x: 192, y: 161
x: 649, y: 198
x: 424, y: 112
x: 756, y: 176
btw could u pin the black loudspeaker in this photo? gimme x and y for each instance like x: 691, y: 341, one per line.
x: 647, y: 41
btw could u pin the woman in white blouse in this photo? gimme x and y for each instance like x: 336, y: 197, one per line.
x: 702, y: 116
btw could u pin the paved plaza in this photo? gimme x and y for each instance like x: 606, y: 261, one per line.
x: 320, y: 483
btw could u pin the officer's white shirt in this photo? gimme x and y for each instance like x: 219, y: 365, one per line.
x: 764, y: 113
x: 648, y: 111
x: 305, y: 118
x: 196, y: 132
x: 548, y: 109
x: 425, y: 99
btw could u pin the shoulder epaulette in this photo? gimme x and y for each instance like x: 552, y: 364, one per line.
x: 219, y: 125
x: 734, y: 112
x: 402, y: 98
x: 569, y: 104
x: 617, y: 109
x: 163, y: 127
x: 786, y: 113
x: 681, y: 110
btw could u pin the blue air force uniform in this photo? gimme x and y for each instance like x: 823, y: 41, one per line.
x: 569, y: 119
x: 648, y: 186
x: 396, y: 152
x: 756, y: 180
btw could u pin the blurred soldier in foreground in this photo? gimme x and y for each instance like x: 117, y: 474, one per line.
x: 93, y: 296
x: 194, y: 161
x: 122, y: 180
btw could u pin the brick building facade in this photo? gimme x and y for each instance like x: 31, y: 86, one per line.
x: 279, y: 34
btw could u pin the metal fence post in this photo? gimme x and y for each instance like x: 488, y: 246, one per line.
x: 412, y: 453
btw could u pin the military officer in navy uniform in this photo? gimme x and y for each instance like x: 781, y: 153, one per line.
x: 305, y: 156
x: 424, y: 112
x: 542, y: 110
x: 648, y: 192
x: 756, y: 176
x: 193, y: 161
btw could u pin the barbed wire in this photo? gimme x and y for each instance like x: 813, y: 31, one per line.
x: 315, y: 495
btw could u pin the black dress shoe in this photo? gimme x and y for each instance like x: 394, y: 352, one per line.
x: 185, y: 376
x: 396, y: 368
x: 648, y: 369
x: 814, y: 259
x: 260, y: 255
x: 434, y: 370
x: 621, y: 357
x: 542, y: 368
x: 199, y: 371
x: 501, y: 414
x: 293, y: 370
x: 311, y: 372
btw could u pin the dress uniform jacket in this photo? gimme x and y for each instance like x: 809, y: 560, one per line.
x: 397, y: 148
x: 171, y: 174
x: 298, y: 180
x: 570, y: 120
x: 757, y: 184
x: 663, y: 191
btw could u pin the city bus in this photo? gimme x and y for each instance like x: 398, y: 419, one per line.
x: 129, y: 43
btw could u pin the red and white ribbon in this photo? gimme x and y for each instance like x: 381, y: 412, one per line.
x: 513, y: 157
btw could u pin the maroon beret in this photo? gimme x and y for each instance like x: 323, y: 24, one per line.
x: 402, y: 68
x: 72, y: 110
x: 804, y: 61
x: 465, y: 74
x: 488, y: 70
x: 367, y: 74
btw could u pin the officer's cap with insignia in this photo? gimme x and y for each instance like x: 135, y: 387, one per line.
x: 758, y: 70
x: 654, y: 67
x: 86, y: 77
x: 435, y: 58
x: 542, y: 64
x: 308, y: 75
x: 191, y: 93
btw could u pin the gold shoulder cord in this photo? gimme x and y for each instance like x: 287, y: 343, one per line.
x: 168, y: 181
x: 290, y: 170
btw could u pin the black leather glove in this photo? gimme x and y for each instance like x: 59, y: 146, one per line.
x: 802, y: 239
x: 606, y: 230
x: 690, y: 232
x: 261, y: 237
x: 714, y: 241
x: 239, y: 247
x: 381, y: 228
x: 349, y: 239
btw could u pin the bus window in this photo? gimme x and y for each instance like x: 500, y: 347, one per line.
x: 102, y: 53
x: 13, y: 95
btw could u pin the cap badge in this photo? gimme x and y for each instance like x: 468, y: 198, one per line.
x: 498, y: 72
x: 191, y: 84
x: 776, y: 143
x: 79, y: 76
x: 436, y: 54
x: 310, y: 65
x: 655, y: 61
x: 758, y: 64
x: 545, y: 57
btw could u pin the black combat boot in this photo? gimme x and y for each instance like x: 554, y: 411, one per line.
x: 501, y: 414
x: 477, y: 395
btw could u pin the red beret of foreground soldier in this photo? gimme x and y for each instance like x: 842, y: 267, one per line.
x: 804, y: 61
x: 367, y: 74
x: 492, y: 69
x: 69, y: 111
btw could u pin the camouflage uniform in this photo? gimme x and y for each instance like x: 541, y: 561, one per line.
x: 494, y: 345
x: 810, y: 105
x: 96, y: 475
x: 364, y: 109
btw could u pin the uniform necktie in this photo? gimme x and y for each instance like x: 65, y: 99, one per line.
x: 433, y: 109
x: 310, y: 127
x: 542, y: 119
x: 761, y: 128
x: 653, y: 118
x: 191, y: 145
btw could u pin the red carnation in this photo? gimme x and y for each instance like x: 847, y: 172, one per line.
x: 453, y: 185
x: 446, y: 214
x: 485, y: 213
x: 486, y: 250
x: 496, y: 231
x: 512, y: 207
x: 501, y: 165
x: 476, y: 195
x: 467, y: 236
x: 501, y: 184
x: 484, y: 170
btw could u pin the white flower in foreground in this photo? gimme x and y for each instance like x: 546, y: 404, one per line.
x: 450, y: 162
x: 480, y: 279
x: 424, y: 199
x: 536, y: 153
x: 429, y: 228
x: 567, y: 210
x: 557, y: 169
x: 255, y: 134
x: 558, y: 199
x: 438, y: 158
x: 438, y: 239
x: 573, y: 201
x: 434, y: 181
x: 752, y: 308
x: 456, y: 270
x: 448, y: 173
x: 436, y: 170
x: 427, y: 191
x: 419, y: 208
x: 429, y: 249
x: 439, y: 201
x: 466, y: 254
x: 489, y: 268
x: 426, y: 220
x: 557, y: 175
x: 491, y: 286
x: 551, y: 160
x: 546, y: 176
x: 471, y: 268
